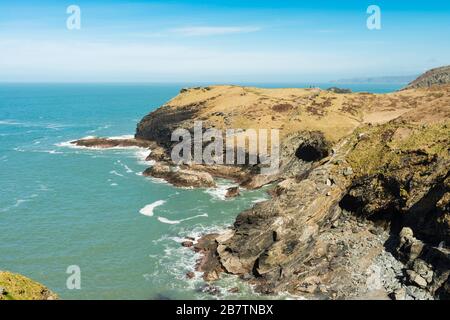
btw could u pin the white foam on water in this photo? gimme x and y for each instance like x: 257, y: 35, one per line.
x: 165, y: 220
x: 54, y: 126
x: 43, y: 187
x: 123, y: 165
x: 142, y: 155
x: 18, y: 149
x: 258, y: 200
x: 148, y: 209
x: 8, y: 122
x: 153, y: 179
x: 122, y: 137
x: 116, y: 173
x: 99, y: 128
x: 52, y: 151
x: 113, y: 184
x: 69, y: 144
x: 19, y: 202
x: 127, y: 168
x: 88, y: 137
x: 220, y: 191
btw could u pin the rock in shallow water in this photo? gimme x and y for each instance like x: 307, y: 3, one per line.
x: 232, y: 192
x: 181, y: 177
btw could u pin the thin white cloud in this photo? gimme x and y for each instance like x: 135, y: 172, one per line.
x: 212, y: 31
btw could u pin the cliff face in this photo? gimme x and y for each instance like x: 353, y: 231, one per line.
x: 362, y: 195
x: 438, y: 76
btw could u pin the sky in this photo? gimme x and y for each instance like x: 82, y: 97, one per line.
x: 220, y: 41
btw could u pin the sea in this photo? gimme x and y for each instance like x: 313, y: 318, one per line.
x: 64, y: 208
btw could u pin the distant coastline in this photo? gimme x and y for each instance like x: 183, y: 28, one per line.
x: 378, y: 80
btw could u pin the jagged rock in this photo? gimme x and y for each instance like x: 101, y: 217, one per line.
x: 157, y: 154
x: 232, y: 192
x: 113, y: 143
x: 416, y: 279
x: 309, y: 285
x: 234, y: 290
x: 212, y: 290
x: 437, y: 76
x: 399, y: 294
x: 211, y: 275
x: 187, y: 244
x: 181, y: 177
x: 190, y: 275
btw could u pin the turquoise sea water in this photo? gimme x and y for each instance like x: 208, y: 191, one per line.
x: 63, y: 206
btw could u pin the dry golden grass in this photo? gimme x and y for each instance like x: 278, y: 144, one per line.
x: 18, y: 287
x: 295, y: 109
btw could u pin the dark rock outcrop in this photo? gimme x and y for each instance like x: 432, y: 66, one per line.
x: 104, y: 143
x: 159, y: 125
x: 181, y: 177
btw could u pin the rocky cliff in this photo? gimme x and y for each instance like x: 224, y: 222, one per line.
x: 361, y: 205
x: 437, y: 76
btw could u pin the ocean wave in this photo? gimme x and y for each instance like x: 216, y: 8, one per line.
x: 123, y: 165
x: 47, y: 151
x: 176, y: 261
x: 106, y: 126
x: 258, y: 200
x: 114, y: 172
x: 69, y: 144
x: 55, y: 126
x: 148, y: 209
x: 167, y: 221
x: 19, y: 202
x: 122, y: 137
x: 12, y: 122
x: 51, y: 151
x: 153, y: 179
x: 142, y: 155
x: 220, y: 191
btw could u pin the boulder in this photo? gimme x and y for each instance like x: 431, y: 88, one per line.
x: 232, y: 192
x: 187, y: 244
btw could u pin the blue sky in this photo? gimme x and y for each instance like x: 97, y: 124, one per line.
x: 220, y: 41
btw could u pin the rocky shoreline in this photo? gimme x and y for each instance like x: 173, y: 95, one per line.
x: 360, y: 208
